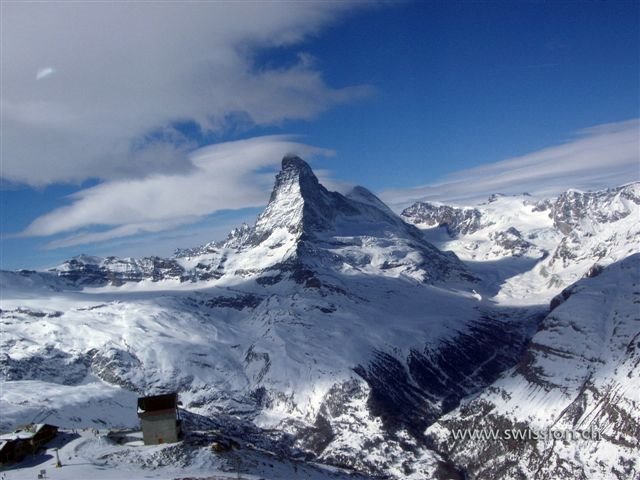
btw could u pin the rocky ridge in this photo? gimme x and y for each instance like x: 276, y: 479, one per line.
x: 568, y: 236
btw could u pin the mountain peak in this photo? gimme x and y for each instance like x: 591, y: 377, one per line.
x: 295, y: 191
x: 292, y: 162
x: 296, y: 177
x: 362, y: 195
x: 300, y: 204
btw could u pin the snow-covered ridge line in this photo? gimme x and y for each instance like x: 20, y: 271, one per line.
x: 568, y: 235
x: 302, y: 225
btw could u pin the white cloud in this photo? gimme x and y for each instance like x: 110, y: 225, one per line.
x: 223, y: 176
x: 124, y: 70
x: 164, y: 243
x: 117, y: 232
x: 44, y: 73
x: 600, y: 157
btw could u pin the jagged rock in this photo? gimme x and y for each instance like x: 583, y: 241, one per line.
x: 88, y: 271
x: 457, y: 221
x: 573, y: 206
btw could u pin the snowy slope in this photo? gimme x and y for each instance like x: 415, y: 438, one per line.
x: 102, y: 455
x: 579, y: 372
x: 505, y: 226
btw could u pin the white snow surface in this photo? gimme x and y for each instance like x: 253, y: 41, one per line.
x: 604, y: 228
x: 91, y: 453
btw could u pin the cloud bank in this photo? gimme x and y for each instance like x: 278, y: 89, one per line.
x: 112, y: 79
x: 235, y: 175
x: 603, y: 156
x: 230, y: 175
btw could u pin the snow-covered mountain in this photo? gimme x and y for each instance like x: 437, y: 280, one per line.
x: 568, y: 236
x: 304, y: 230
x: 504, y: 226
x: 579, y: 373
x: 331, y: 330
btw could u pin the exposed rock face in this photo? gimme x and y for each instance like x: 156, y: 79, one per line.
x: 413, y: 394
x: 299, y: 203
x: 457, y: 221
x: 511, y: 240
x: 490, y: 231
x: 573, y: 207
x: 95, y: 271
x: 47, y: 363
x: 596, y: 225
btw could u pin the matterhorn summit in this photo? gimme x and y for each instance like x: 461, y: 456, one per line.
x: 298, y: 202
x: 306, y: 230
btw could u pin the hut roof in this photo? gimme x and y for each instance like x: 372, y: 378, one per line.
x: 167, y: 401
x: 26, y: 432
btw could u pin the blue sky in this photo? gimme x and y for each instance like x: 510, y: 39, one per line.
x: 133, y: 129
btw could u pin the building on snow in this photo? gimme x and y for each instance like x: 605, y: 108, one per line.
x: 160, y: 418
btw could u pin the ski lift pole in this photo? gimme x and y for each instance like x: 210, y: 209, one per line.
x: 238, y: 462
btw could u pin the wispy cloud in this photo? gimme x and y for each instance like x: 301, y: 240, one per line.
x: 603, y: 156
x: 125, y: 71
x: 224, y: 176
x: 44, y: 73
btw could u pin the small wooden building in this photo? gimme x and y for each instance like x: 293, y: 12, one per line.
x: 159, y: 418
x: 15, y: 446
x: 42, y: 434
x: 12, y: 451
